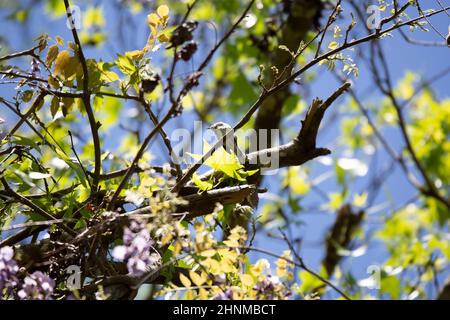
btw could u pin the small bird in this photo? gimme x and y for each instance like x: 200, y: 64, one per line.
x: 244, y: 209
x: 220, y: 129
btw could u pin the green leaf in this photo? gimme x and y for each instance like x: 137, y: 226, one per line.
x: 310, y: 283
x: 333, y: 45
x: 202, y: 185
x: 359, y: 200
x: 241, y: 93
x: 125, y: 64
x: 52, y: 53
x: 54, y: 106
x: 66, y: 65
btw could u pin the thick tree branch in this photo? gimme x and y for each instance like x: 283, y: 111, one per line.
x: 303, y: 147
x: 340, y: 236
x: 204, y: 203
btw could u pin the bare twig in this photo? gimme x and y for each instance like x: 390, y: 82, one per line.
x: 78, y: 159
x: 36, y: 104
x: 28, y: 52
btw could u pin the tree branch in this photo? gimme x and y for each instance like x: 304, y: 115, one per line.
x: 32, y: 206
x: 303, y: 147
x: 87, y: 102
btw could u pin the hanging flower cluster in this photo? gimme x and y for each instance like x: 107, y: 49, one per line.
x: 8, y: 270
x: 136, y: 249
x: 35, y: 286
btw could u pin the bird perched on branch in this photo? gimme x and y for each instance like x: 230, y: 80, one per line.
x: 242, y: 212
x: 220, y: 129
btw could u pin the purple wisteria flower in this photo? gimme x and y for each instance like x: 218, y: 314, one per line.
x: 8, y: 270
x: 136, y: 249
x: 267, y: 284
x: 37, y: 286
x: 270, y: 288
x: 226, y: 295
